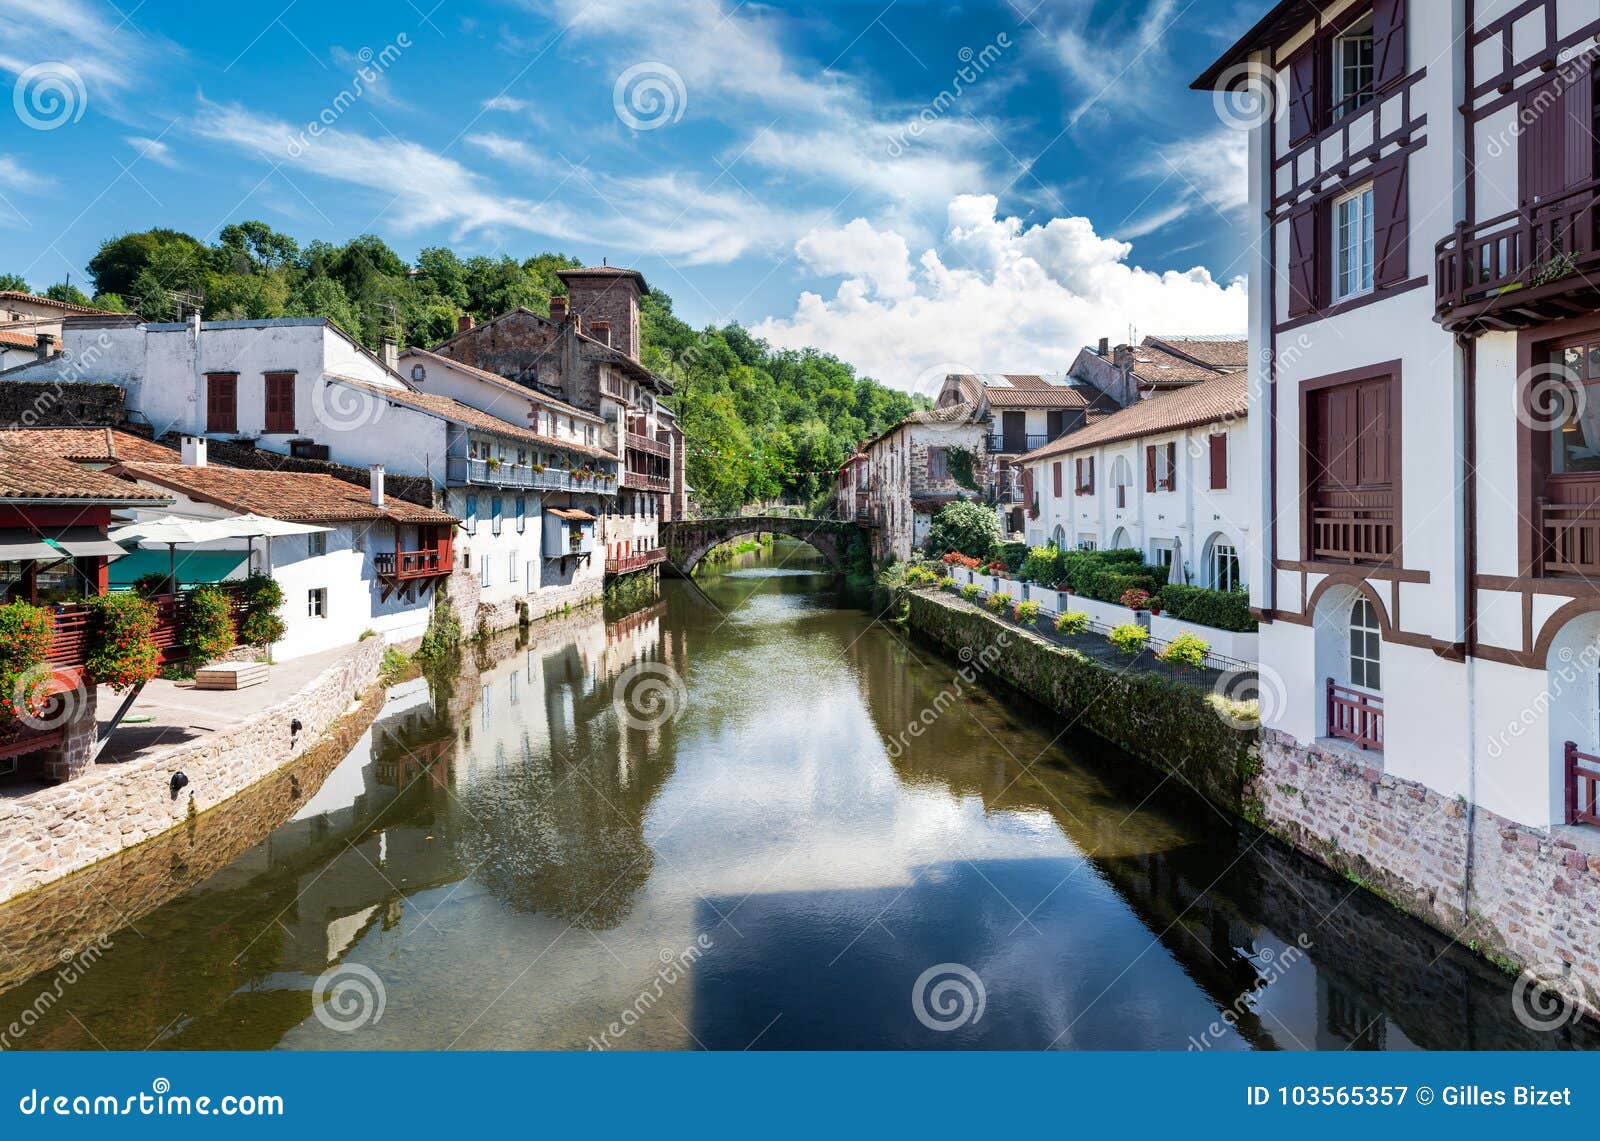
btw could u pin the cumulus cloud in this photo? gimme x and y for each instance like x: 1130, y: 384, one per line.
x: 993, y: 296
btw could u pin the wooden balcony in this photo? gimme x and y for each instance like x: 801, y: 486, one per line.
x: 640, y: 481
x: 627, y: 564
x: 1524, y: 268
x: 1355, y: 716
x: 635, y: 442
x: 69, y: 645
x: 1583, y: 786
x: 1360, y: 530
x: 401, y: 565
x: 1569, y: 538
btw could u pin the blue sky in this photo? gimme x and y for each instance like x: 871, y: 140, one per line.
x: 789, y: 166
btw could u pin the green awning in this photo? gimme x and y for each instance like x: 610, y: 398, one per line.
x: 195, y: 568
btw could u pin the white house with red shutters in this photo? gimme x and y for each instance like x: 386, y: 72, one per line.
x: 1425, y: 335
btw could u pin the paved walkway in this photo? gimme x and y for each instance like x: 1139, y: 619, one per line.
x: 181, y: 713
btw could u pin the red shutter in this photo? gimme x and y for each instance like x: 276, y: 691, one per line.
x: 1304, y: 274
x: 280, y: 402
x: 1077, y: 476
x: 1388, y: 43
x: 1172, y: 466
x: 1150, y: 467
x: 1055, y: 472
x: 1391, y: 202
x: 1091, y: 474
x: 1219, y: 462
x: 1027, y: 486
x: 222, y: 402
x: 1555, y: 155
x: 1372, y: 414
x: 1303, y: 115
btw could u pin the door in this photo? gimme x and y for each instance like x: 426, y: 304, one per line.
x: 1014, y: 432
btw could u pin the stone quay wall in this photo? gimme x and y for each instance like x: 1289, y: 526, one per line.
x: 1533, y: 899
x: 59, y: 830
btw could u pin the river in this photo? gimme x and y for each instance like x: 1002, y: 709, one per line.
x: 711, y: 823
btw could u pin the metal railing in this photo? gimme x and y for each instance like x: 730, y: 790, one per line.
x: 526, y: 475
x: 1355, y: 716
x: 1583, y: 785
x: 1015, y: 443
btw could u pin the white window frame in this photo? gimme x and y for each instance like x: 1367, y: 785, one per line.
x: 1366, y: 666
x: 317, y: 602
x: 1343, y: 89
x: 316, y: 544
x: 1364, y: 201
x: 1225, y: 556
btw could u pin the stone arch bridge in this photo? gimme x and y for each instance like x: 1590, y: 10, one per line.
x: 688, y: 540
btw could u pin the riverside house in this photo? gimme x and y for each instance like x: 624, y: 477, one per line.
x: 1425, y: 336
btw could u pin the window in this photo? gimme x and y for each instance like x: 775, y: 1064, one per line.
x: 522, y: 514
x: 1353, y: 244
x: 484, y: 566
x: 1160, y: 467
x: 1161, y: 553
x: 1352, y: 68
x: 472, y: 514
x: 1087, y: 543
x: 317, y: 543
x: 495, y: 504
x: 1084, y: 475
x: 511, y: 571
x: 1575, y: 399
x: 1224, y: 567
x: 938, y: 465
x: 1365, y: 640
x: 1350, y: 437
x: 279, y: 412
x: 222, y: 402
x: 1219, y: 461
x: 317, y: 602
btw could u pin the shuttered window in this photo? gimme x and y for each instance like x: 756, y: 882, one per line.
x: 1303, y: 103
x: 1391, y: 202
x: 938, y: 464
x: 1388, y: 43
x: 1555, y: 154
x: 1055, y: 476
x: 280, y: 402
x: 1352, y: 444
x: 1304, y: 276
x: 222, y: 402
x: 1219, y: 462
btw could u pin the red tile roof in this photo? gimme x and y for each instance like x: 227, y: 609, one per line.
x: 511, y: 386
x: 1025, y: 390
x: 1217, y: 352
x: 65, y: 306
x: 89, y: 445
x: 605, y: 271
x: 299, y: 497
x: 30, y: 475
x: 1222, y: 397
x: 19, y: 340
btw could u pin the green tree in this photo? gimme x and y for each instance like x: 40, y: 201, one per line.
x: 116, y: 266
x: 13, y: 283
x: 65, y: 291
x: 964, y: 526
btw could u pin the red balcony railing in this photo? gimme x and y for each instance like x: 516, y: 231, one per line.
x: 627, y: 564
x: 424, y: 563
x: 639, y: 481
x: 1570, y: 534
x: 1518, y: 265
x: 1352, y: 532
x: 69, y: 644
x: 1355, y: 716
x: 1583, y: 784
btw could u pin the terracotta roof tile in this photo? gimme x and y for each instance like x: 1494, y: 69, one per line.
x: 26, y: 473
x: 1027, y: 390
x: 18, y: 340
x: 511, y: 386
x: 299, y: 497
x: 1222, y: 397
x: 89, y: 445
x: 64, y: 306
x: 1218, y: 352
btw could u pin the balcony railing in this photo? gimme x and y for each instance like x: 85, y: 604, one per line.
x: 1513, y: 271
x: 1352, y: 533
x: 69, y: 645
x: 1571, y: 538
x: 525, y: 475
x: 424, y: 563
x: 1015, y: 443
x: 635, y: 442
x: 639, y: 481
x: 1583, y: 784
x: 627, y: 564
x: 1355, y: 716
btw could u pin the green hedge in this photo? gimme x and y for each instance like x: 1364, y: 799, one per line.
x: 1012, y: 554
x: 1110, y: 586
x: 1043, y: 566
x: 1078, y: 567
x: 1219, y: 609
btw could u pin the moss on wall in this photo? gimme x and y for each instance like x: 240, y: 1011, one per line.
x: 1170, y: 724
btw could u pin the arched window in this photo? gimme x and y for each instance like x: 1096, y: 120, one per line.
x: 1365, y: 641
x: 1121, y: 479
x: 1058, y: 537
x: 1223, y: 567
x: 1120, y: 540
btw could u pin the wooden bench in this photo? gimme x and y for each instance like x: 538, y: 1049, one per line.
x: 230, y: 675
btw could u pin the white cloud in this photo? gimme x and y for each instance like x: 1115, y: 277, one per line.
x: 505, y: 103
x: 110, y: 58
x: 377, y: 89
x: 862, y: 253
x: 153, y: 150
x: 996, y: 296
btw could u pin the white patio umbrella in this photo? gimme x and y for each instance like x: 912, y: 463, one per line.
x: 268, y: 528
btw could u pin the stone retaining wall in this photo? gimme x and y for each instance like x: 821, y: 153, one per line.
x: 1533, y: 900
x: 51, y: 833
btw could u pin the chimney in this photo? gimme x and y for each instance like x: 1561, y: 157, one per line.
x: 1105, y: 346
x: 558, y: 308
x: 601, y: 331
x: 464, y: 323
x: 1123, y: 357
x: 45, y: 345
x: 389, y: 350
x: 193, y: 451
x: 377, y: 485
x: 194, y: 325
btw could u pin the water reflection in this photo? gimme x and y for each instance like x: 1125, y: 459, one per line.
x: 524, y: 868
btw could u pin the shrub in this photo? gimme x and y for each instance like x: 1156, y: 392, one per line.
x: 1072, y: 622
x: 1129, y: 637
x: 25, y: 633
x: 263, y: 598
x: 964, y: 526
x: 1186, y: 650
x: 122, y: 650
x: 997, y: 602
x: 1135, y: 598
x: 970, y: 592
x: 953, y: 586
x: 1026, y: 613
x: 208, y: 625
x: 1219, y: 609
x: 1043, y: 566
x: 1110, y: 586
x: 1013, y: 554
x: 957, y: 559
x: 1078, y: 568
x: 153, y: 583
